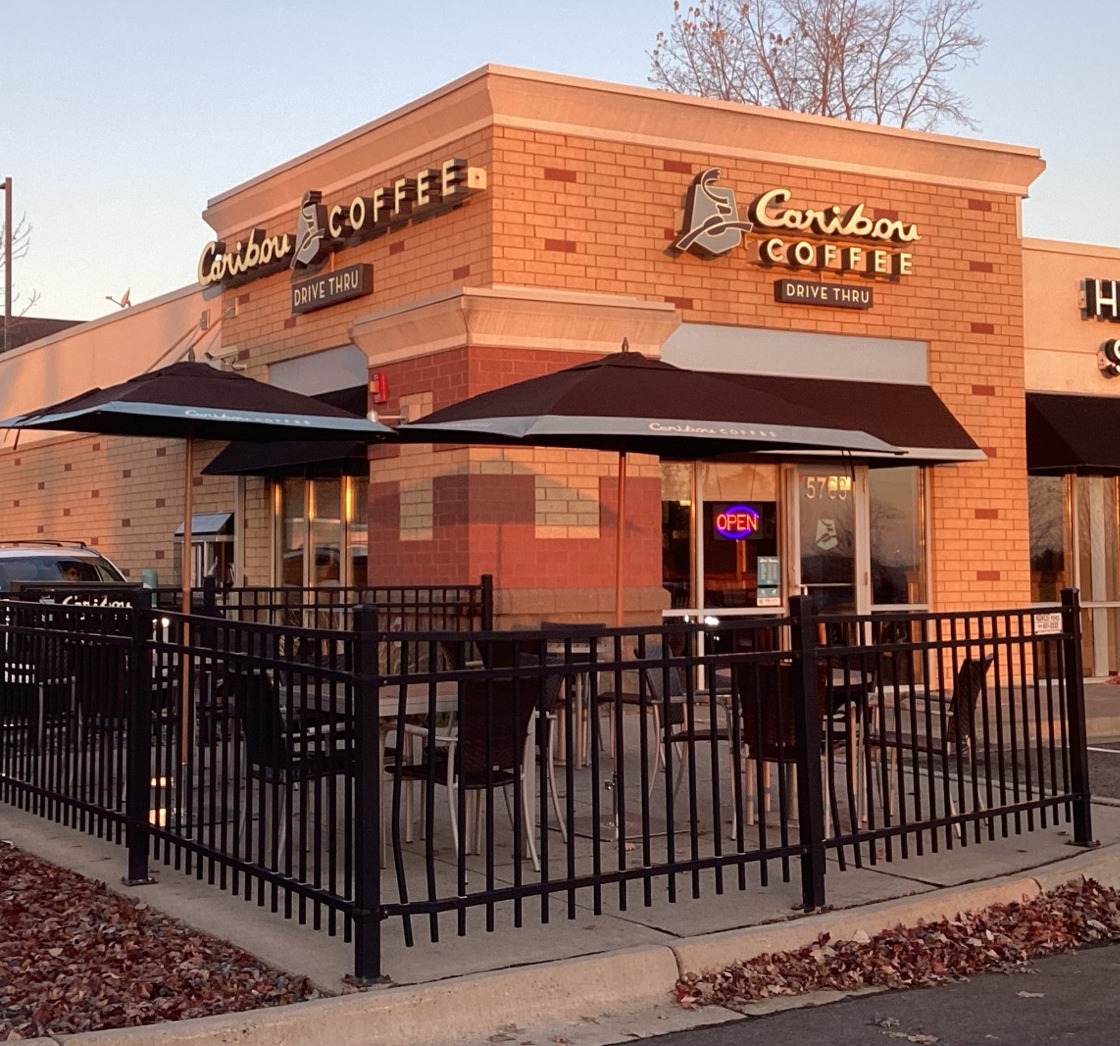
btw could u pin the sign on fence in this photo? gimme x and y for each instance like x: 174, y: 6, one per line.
x: 1048, y: 624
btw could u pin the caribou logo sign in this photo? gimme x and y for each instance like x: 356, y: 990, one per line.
x: 712, y: 224
x: 322, y: 229
x: 310, y: 231
x: 792, y: 235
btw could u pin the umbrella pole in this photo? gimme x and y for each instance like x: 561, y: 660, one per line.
x: 619, y: 529
x: 185, y: 605
x: 616, y: 830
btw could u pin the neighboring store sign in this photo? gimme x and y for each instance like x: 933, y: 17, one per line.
x: 322, y: 229
x: 1100, y: 299
x: 769, y: 581
x: 330, y: 288
x: 809, y: 292
x: 712, y: 227
x: 1108, y: 358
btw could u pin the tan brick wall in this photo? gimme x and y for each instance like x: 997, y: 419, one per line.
x: 123, y: 495
x: 444, y: 250
x: 596, y: 215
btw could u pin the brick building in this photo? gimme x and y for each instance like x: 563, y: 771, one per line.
x: 513, y: 223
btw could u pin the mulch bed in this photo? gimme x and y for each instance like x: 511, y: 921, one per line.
x: 1002, y: 937
x: 75, y: 956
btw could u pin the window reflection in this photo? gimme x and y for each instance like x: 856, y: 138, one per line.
x: 897, y: 516
x: 322, y: 531
x: 739, y: 525
x: 1046, y: 499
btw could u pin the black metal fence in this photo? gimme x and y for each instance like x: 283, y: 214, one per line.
x: 422, y: 781
x: 413, y: 608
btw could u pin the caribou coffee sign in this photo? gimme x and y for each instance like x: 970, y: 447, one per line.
x: 322, y: 229
x: 791, y: 234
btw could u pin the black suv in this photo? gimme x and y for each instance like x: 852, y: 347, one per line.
x: 50, y: 561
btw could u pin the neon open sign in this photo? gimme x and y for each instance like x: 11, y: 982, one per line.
x: 737, y: 521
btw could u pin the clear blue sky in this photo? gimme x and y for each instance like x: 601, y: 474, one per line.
x: 119, y: 119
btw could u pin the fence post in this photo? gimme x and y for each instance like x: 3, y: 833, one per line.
x: 487, y: 623
x: 1075, y: 706
x: 139, y: 773
x: 209, y: 597
x: 807, y: 726
x: 367, y: 801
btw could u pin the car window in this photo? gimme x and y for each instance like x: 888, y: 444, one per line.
x: 49, y: 568
x: 104, y: 572
x: 77, y: 570
x: 14, y: 570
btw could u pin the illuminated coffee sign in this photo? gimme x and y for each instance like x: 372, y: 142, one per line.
x: 322, y: 229
x: 791, y: 232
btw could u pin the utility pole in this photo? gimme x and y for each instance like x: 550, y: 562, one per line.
x: 7, y: 186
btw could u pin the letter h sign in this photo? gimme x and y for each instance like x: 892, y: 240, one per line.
x: 1102, y: 300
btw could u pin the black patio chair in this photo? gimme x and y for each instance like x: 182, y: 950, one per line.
x: 281, y: 755
x: 944, y: 728
x: 680, y: 729
x: 487, y: 751
x: 36, y: 680
x: 764, y: 690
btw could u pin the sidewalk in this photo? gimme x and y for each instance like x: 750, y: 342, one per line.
x: 574, y: 973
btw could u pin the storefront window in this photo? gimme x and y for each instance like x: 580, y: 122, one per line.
x: 676, y: 532
x: 827, y: 524
x: 1098, y: 536
x: 739, y: 535
x: 357, y: 530
x: 897, y: 516
x: 1046, y: 496
x: 326, y: 531
x: 325, y: 516
x: 292, y: 530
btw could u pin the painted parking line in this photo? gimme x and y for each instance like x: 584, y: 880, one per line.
x: 1107, y: 751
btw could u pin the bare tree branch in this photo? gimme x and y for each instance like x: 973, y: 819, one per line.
x: 878, y: 61
x: 21, y: 244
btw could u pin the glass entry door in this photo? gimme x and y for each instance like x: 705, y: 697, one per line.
x: 827, y: 526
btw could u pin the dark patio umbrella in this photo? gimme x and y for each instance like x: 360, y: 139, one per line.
x: 192, y: 400
x: 627, y: 402
x: 280, y: 457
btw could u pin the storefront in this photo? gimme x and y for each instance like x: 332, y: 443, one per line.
x: 512, y: 223
x: 1072, y: 307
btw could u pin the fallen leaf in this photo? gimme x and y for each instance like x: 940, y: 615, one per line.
x: 1002, y: 937
x: 79, y: 957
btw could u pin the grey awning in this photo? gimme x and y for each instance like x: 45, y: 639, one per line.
x: 208, y: 525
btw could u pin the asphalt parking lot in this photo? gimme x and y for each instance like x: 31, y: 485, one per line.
x: 1104, y: 769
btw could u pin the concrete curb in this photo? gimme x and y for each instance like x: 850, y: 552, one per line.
x: 415, y: 1015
